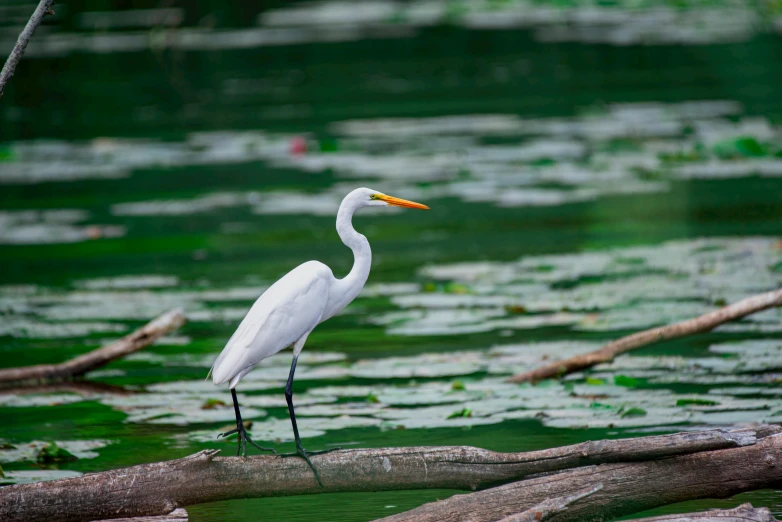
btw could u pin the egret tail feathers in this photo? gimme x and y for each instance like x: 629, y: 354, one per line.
x: 231, y: 366
x: 221, y: 369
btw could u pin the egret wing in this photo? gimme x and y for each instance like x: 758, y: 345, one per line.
x: 289, y: 309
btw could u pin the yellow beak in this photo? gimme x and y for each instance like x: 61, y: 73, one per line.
x: 398, y: 202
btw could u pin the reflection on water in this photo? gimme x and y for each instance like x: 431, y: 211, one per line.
x: 578, y: 191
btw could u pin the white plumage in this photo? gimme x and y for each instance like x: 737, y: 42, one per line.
x: 292, y: 307
x: 286, y: 312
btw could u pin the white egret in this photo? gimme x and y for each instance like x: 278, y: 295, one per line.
x: 292, y: 307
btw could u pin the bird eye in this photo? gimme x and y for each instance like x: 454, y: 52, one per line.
x: 373, y: 196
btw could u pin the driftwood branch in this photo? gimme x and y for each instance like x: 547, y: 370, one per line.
x: 44, y: 8
x: 627, y: 487
x: 743, y: 513
x: 159, y: 488
x: 82, y: 364
x: 704, y: 323
x: 550, y: 507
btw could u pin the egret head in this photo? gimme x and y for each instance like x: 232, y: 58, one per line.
x: 365, y: 197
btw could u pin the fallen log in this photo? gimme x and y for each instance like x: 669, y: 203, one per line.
x: 550, y: 507
x: 742, y: 513
x: 89, y: 361
x: 703, y: 323
x: 627, y: 487
x: 159, y: 488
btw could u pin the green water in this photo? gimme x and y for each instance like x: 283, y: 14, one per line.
x: 129, y: 117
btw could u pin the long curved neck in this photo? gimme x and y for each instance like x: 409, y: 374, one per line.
x: 346, y: 289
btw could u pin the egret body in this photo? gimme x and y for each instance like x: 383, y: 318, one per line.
x: 293, y: 306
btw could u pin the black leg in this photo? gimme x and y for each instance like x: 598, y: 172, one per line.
x: 300, y: 451
x: 243, y: 437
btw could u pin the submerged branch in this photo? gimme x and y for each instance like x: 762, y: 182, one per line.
x: 627, y: 487
x: 44, y: 8
x: 89, y: 361
x: 703, y: 323
x: 158, y: 488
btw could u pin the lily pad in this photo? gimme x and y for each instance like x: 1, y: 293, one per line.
x: 51, y: 451
x: 425, y: 365
x: 54, y: 453
x: 38, y: 475
x: 9, y: 400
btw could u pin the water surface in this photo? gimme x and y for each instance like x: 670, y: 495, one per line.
x: 581, y: 188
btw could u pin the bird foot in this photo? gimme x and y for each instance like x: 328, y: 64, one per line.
x: 243, y: 440
x: 301, y: 452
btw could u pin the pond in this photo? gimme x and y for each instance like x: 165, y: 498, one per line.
x: 591, y: 171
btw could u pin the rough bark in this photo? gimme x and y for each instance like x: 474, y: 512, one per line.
x: 743, y: 513
x: 158, y: 488
x: 178, y: 515
x: 82, y: 364
x: 551, y: 506
x: 627, y: 487
x: 44, y: 8
x: 703, y: 323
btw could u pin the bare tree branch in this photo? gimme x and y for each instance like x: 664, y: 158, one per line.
x: 628, y: 487
x: 704, y: 323
x: 82, y: 364
x: 159, y: 488
x: 551, y: 506
x: 743, y: 513
x: 44, y: 8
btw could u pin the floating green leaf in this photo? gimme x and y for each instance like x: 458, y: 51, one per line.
x: 211, y: 404
x: 464, y: 412
x: 53, y: 453
x: 456, y: 288
x: 633, y: 412
x: 624, y: 380
x: 742, y: 147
